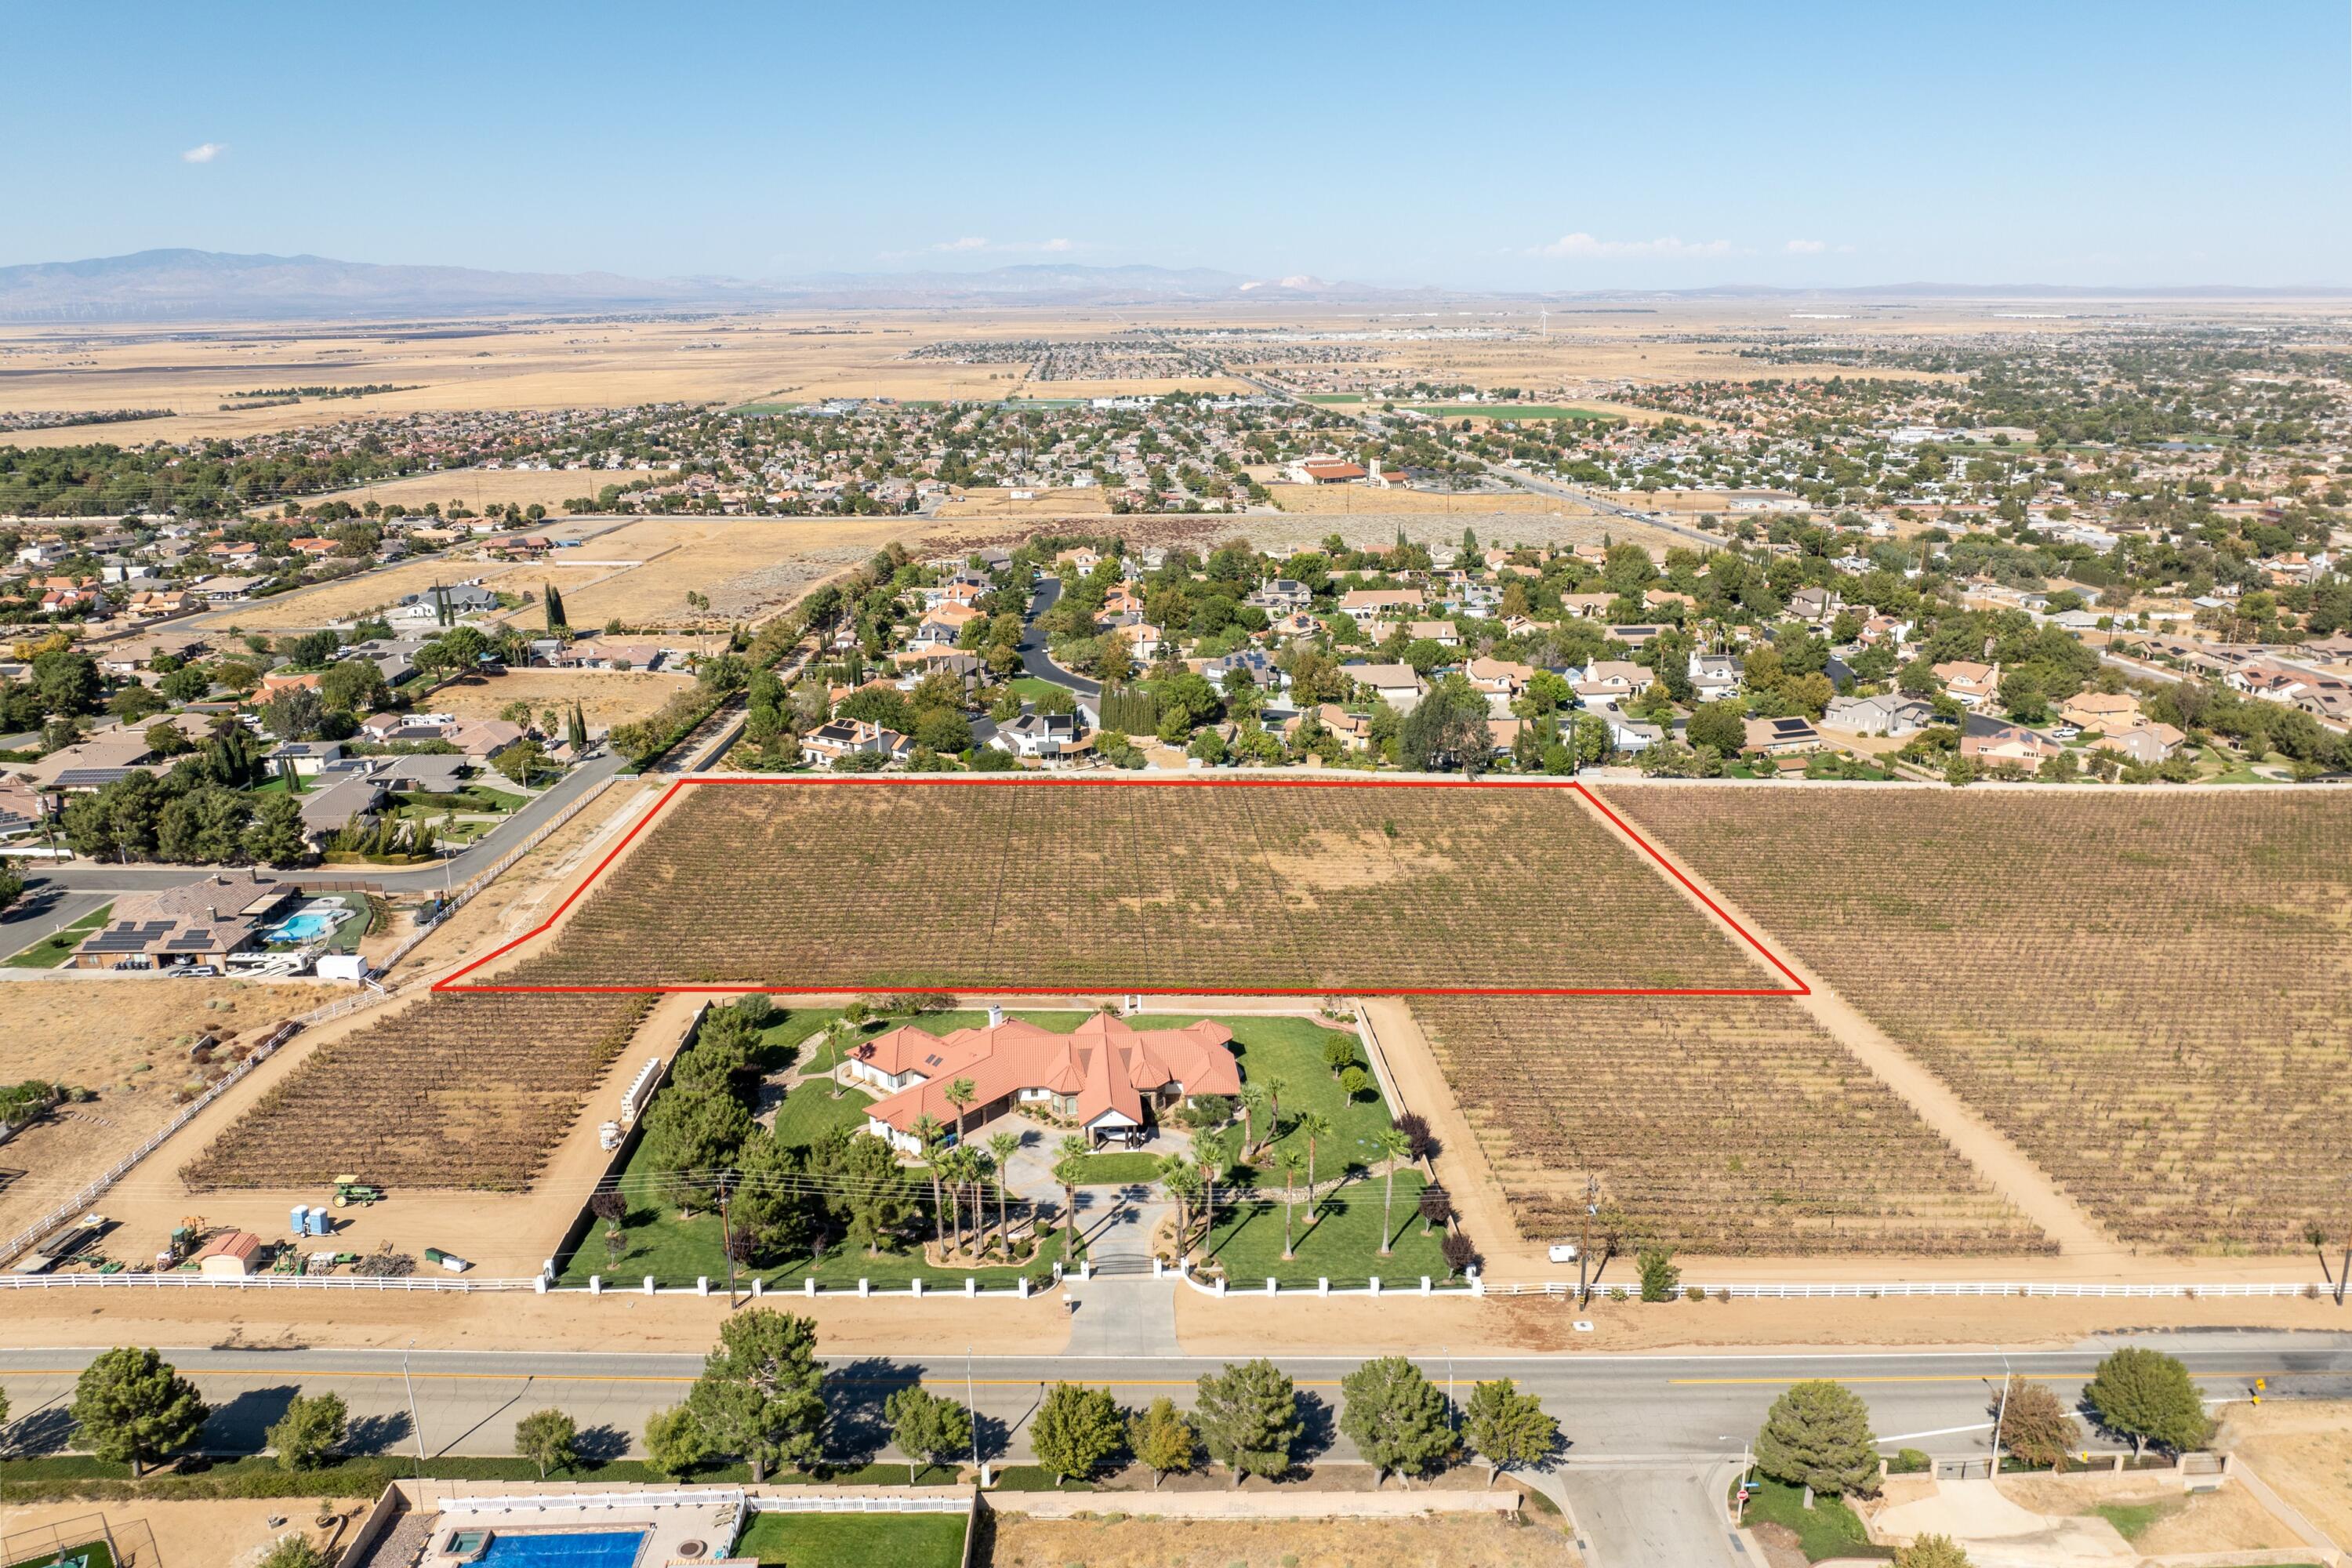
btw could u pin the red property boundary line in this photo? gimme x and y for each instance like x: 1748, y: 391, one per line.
x: 1795, y: 986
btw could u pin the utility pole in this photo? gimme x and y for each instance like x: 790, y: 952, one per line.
x: 726, y: 1236
x: 415, y: 1427
x: 971, y: 1419
x: 1584, y: 1241
x: 2001, y: 1413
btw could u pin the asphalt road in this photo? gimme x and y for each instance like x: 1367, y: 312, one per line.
x: 1033, y: 645
x: 82, y: 877
x: 1664, y: 1515
x: 1674, y: 1411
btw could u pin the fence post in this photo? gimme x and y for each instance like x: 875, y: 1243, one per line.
x: 915, y: 1287
x: 971, y: 1286
x: 1477, y: 1281
x: 1022, y: 1283
x: 702, y: 1284
x: 1273, y: 1286
x: 1221, y: 1289
x: 649, y: 1284
x: 1323, y: 1285
x: 759, y: 1287
x: 1375, y: 1286
x: 1424, y: 1284
x: 865, y: 1288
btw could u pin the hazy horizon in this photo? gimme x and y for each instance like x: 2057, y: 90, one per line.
x: 1526, y: 150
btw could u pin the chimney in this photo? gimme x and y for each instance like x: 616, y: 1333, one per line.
x: 995, y: 1014
x: 212, y: 915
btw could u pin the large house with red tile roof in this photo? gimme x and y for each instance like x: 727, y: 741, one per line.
x: 1104, y: 1077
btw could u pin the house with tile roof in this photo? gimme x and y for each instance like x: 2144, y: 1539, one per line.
x: 1105, y: 1078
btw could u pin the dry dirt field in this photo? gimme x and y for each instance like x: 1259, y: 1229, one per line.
x: 210, y: 1535
x: 2302, y: 1448
x: 1134, y: 1541
x: 1319, y: 889
x: 127, y: 1040
x: 481, y: 489
x: 1322, y: 501
x: 980, y: 505
x: 608, y: 696
x: 805, y: 356
x: 348, y: 599
x: 2229, y: 1519
x: 2144, y: 993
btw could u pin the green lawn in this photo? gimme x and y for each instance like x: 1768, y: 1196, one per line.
x: 1827, y: 1528
x: 1291, y: 1049
x: 810, y: 1110
x: 1121, y: 1169
x: 1032, y: 688
x: 854, y: 1540
x: 58, y: 946
x: 1338, y: 1239
x: 2133, y: 1520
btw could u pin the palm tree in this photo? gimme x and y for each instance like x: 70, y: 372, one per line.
x: 1317, y: 1127
x: 1003, y: 1145
x: 1393, y: 1146
x: 959, y: 1094
x: 1275, y: 1085
x: 1175, y: 1173
x: 1070, y: 1170
x: 927, y: 1132
x: 954, y: 1166
x: 1292, y: 1162
x: 1209, y: 1153
x: 1255, y: 1100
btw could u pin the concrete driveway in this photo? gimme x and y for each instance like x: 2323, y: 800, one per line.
x: 1661, y: 1516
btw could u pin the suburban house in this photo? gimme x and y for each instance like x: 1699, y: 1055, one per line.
x: 1815, y: 604
x: 1354, y: 729
x: 1283, y: 596
x: 1972, y: 685
x: 1499, y: 676
x: 1613, y: 681
x: 1712, y: 676
x: 1325, y: 472
x: 1890, y: 714
x: 197, y: 922
x: 2099, y: 711
x: 1996, y: 745
x: 1369, y: 604
x: 1781, y: 737
x: 1395, y: 684
x: 1105, y: 1078
x: 2142, y: 741
x: 1043, y: 735
x: 829, y: 742
x: 1445, y: 634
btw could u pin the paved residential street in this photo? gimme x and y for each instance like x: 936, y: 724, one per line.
x: 1033, y: 646
x: 1678, y: 1411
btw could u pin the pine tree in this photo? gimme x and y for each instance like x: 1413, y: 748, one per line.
x: 131, y: 1405
x: 1248, y: 1417
x: 761, y: 1395
x: 1075, y: 1430
x: 556, y: 619
x: 1817, y: 1435
x: 1396, y: 1417
x: 1506, y: 1427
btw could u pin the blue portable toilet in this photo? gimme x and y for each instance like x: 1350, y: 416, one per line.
x: 296, y: 1223
x: 319, y: 1219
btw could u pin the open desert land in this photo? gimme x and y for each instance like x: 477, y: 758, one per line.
x: 126, y: 1041
x: 348, y: 599
x: 606, y: 697
x: 980, y: 504
x: 481, y: 489
x: 1325, y: 500
x: 1138, y: 1540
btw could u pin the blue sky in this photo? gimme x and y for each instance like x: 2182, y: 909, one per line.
x: 1543, y: 146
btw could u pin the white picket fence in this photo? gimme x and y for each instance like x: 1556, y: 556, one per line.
x: 79, y: 1202
x: 175, y: 1280
x: 1935, y: 1288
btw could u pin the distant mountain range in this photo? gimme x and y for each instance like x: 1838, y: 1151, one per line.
x: 206, y: 285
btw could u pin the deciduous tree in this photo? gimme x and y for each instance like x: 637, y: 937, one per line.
x: 1075, y: 1430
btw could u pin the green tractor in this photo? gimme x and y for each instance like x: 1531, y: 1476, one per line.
x: 350, y: 1190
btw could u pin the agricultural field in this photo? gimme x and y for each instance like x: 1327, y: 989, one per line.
x: 2147, y: 995
x: 1118, y: 886
x: 452, y: 1091
x: 1721, y: 1125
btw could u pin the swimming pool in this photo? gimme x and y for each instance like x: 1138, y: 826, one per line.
x: 304, y: 927
x: 564, y: 1548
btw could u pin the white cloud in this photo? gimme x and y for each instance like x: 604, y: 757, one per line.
x: 1806, y: 246
x: 1057, y: 246
x: 970, y: 242
x: 205, y: 153
x: 1584, y: 246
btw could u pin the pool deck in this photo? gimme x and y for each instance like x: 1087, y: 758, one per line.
x: 672, y: 1520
